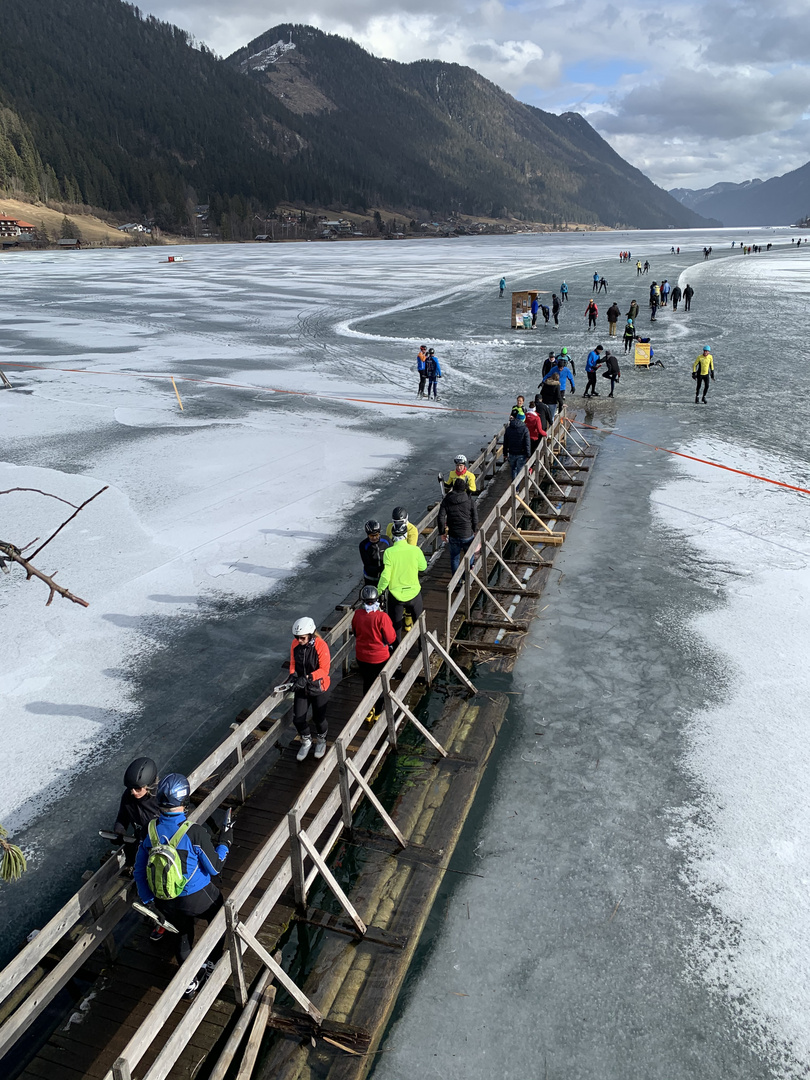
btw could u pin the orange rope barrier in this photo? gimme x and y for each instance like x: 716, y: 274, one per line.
x: 701, y: 461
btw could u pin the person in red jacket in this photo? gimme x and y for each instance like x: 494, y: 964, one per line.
x: 374, y: 638
x: 536, y: 431
x: 309, y: 675
x: 591, y: 311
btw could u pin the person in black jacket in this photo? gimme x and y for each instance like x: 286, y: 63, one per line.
x: 676, y: 297
x: 517, y: 443
x: 458, y: 521
x: 372, y: 550
x: 688, y: 293
x: 138, y: 804
x: 548, y: 364
x: 611, y: 371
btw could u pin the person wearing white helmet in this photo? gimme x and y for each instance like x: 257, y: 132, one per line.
x: 460, y: 472
x: 309, y: 675
x: 402, y: 564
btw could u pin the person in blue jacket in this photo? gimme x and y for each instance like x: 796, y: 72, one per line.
x: 563, y: 292
x: 565, y: 378
x: 201, y: 861
x: 591, y: 368
x: 502, y: 285
x: 433, y: 372
x: 535, y: 309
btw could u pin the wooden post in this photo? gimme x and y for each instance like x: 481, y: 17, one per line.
x: 96, y: 911
x: 451, y: 662
x: 425, y: 649
x: 332, y: 882
x: 121, y: 1069
x: 4, y: 380
x: 467, y: 598
x: 484, y: 565
x: 235, y: 951
x: 240, y: 757
x: 345, y: 787
x: 346, y: 660
x: 297, y: 858
x: 418, y: 725
x: 389, y: 710
x: 375, y: 802
x: 279, y: 973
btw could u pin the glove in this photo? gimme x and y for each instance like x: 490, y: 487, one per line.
x: 119, y: 829
x: 301, y: 682
x: 226, y: 836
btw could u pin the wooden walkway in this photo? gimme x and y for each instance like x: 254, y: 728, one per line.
x: 87, y: 1042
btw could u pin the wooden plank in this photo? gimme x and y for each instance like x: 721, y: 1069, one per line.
x: 374, y: 934
x: 485, y: 646
x: 255, y: 1040
x: 297, y: 1026
x: 242, y: 1024
x: 46, y: 990
x: 279, y: 973
x: 329, y: 877
x: 499, y: 624
x: 67, y: 917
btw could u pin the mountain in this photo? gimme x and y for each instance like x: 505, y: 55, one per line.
x: 782, y: 200
x: 438, y: 135
x: 102, y: 105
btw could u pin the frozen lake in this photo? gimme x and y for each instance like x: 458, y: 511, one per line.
x: 656, y: 754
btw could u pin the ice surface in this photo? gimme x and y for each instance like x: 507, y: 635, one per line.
x: 746, y: 840
x: 226, y: 521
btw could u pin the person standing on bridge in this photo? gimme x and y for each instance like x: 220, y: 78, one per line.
x: 402, y: 564
x: 174, y: 868
x: 535, y: 426
x: 458, y: 522
x: 372, y: 550
x: 517, y: 443
x: 137, y: 808
x: 374, y: 638
x: 702, y: 371
x: 460, y: 472
x: 309, y: 675
x: 400, y: 514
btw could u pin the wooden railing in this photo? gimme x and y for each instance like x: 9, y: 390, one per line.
x: 90, y: 917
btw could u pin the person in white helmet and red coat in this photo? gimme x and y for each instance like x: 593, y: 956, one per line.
x: 309, y: 675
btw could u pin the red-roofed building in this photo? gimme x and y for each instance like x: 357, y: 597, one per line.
x: 26, y: 227
x: 8, y: 226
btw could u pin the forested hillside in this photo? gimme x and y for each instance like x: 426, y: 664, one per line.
x: 99, y: 104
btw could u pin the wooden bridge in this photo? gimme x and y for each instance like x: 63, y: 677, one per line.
x: 131, y: 1019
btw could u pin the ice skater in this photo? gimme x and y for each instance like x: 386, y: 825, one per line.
x: 502, y: 287
x: 433, y: 373
x: 688, y: 293
x: 612, y: 371
x: 591, y: 312
x: 702, y: 371
x: 592, y: 365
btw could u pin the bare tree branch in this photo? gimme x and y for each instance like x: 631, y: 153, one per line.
x: 47, y: 494
x: 68, y: 520
x: 9, y: 551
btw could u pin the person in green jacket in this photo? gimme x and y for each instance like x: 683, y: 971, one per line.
x: 402, y: 564
x: 702, y: 370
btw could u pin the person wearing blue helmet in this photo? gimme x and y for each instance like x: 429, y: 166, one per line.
x: 629, y: 334
x: 175, y: 867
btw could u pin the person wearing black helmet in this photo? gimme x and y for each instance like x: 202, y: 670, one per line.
x: 374, y: 639
x: 400, y: 514
x: 138, y: 806
x: 173, y: 837
x: 402, y: 564
x: 372, y: 550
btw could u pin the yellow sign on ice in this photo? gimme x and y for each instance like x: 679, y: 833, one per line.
x: 642, y: 354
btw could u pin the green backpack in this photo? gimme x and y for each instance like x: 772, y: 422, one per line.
x: 164, y: 871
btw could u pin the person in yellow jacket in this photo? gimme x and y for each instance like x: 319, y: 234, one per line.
x: 401, y: 514
x: 460, y: 472
x: 702, y: 371
x: 402, y: 564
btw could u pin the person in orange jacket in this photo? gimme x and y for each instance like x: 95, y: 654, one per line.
x: 309, y: 675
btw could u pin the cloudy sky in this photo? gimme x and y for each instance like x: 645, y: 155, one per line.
x: 692, y: 93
